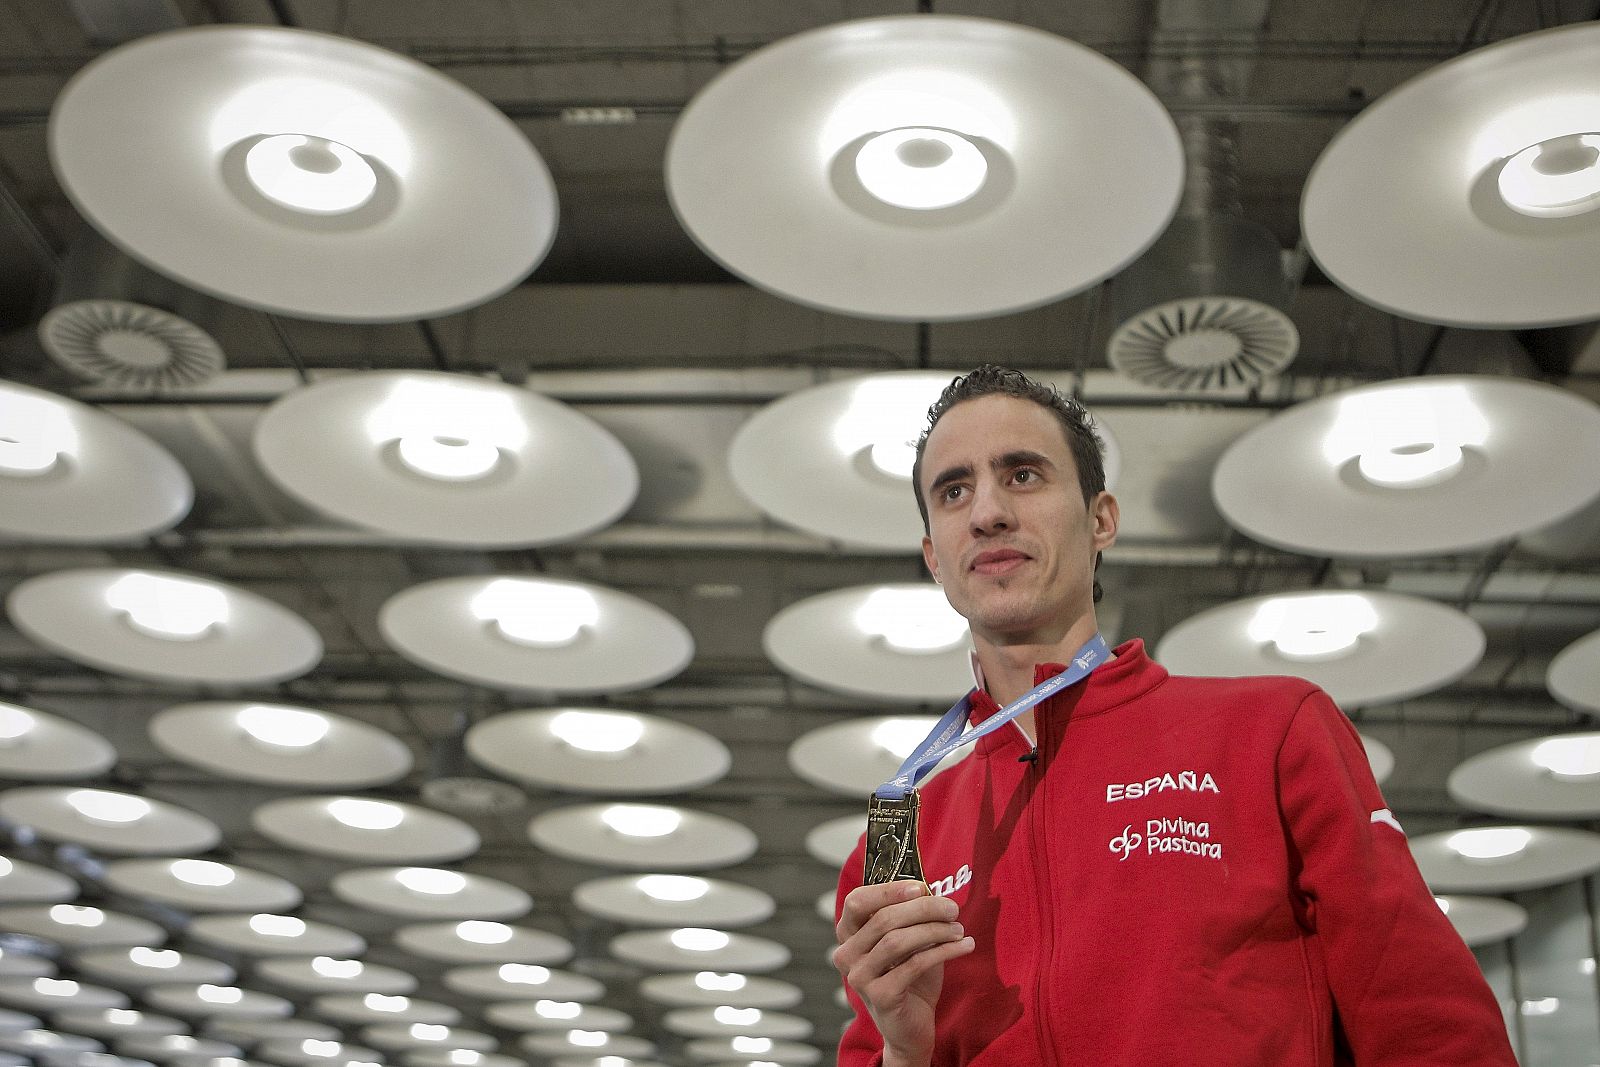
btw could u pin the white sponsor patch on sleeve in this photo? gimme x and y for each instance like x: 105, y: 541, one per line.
x: 1385, y: 816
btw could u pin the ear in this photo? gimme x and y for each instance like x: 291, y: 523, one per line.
x: 1106, y: 516
x: 929, y: 559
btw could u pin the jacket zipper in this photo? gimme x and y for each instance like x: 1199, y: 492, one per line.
x: 1041, y: 894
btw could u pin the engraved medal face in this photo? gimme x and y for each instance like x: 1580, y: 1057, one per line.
x: 892, y: 840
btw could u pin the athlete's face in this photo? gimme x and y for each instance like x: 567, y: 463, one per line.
x: 1009, y: 535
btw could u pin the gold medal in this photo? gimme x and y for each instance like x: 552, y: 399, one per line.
x: 892, y: 840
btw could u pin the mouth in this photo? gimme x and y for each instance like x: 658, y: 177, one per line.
x: 998, y: 561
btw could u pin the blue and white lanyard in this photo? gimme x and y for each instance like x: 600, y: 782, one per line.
x: 949, y: 735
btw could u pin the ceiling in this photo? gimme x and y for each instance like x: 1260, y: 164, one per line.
x: 630, y: 322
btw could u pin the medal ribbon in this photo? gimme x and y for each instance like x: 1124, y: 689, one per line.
x: 949, y: 733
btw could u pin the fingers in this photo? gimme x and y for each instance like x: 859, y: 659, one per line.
x: 866, y: 901
x: 885, y: 926
x: 892, y: 982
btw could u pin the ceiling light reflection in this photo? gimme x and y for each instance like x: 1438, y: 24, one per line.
x: 284, y: 727
x: 598, y: 731
x: 1489, y: 842
x: 167, y: 607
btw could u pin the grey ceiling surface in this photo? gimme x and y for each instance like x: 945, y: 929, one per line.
x: 628, y: 320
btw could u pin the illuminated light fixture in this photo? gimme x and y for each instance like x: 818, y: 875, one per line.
x: 447, y: 431
x: 1408, y: 435
x: 588, y: 1038
x: 77, y: 915
x: 283, y: 727
x: 6, y: 867
x: 56, y: 987
x: 429, y: 1031
x: 558, y: 1009
x: 524, y: 973
x: 1489, y: 843
x: 911, y: 619
x: 172, y: 609
x: 15, y: 724
x: 103, y: 806
x: 921, y: 168
x: 731, y: 1016
x: 277, y: 925
x: 899, y: 737
x: 1556, y: 178
x: 697, y: 939
x: 1444, y: 905
x: 675, y: 888
x: 431, y: 880
x: 38, y: 431
x: 719, y: 982
x: 604, y: 732
x: 1313, y: 627
x: 361, y: 814
x: 1543, y: 1006
x: 178, y: 1043
x: 379, y: 1002
x: 310, y: 174
x: 613, y: 1061
x: 162, y: 959
x: 882, y: 420
x: 483, y: 932
x: 219, y: 994
x: 124, y: 1016
x: 534, y: 613
x: 466, y: 1057
x: 203, y: 873
x: 752, y: 1044
x: 329, y: 967
x: 320, y: 1049
x: 641, y: 820
x: 1569, y: 758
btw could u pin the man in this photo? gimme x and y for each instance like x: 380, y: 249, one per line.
x: 1145, y: 869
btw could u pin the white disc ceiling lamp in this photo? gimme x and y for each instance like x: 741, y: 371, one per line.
x: 1505, y: 859
x: 458, y: 1058
x: 725, y: 1020
x: 590, y: 1046
x: 118, y: 1024
x: 22, y: 882
x: 901, y: 642
x: 598, y: 750
x: 324, y: 974
x: 715, y: 988
x: 520, y: 981
x: 279, y: 744
x: 430, y: 893
x: 252, y: 1031
x: 302, y: 173
x: 1483, y: 920
x: 164, y: 626
x: 836, y: 459
x: 831, y: 843
x: 37, y: 745
x: 535, y: 634
x: 731, y: 1052
x: 673, y: 900
x: 484, y: 941
x: 1541, y: 778
x: 1364, y: 648
x: 643, y: 837
x: 1470, y: 195
x: 108, y: 821
x: 1574, y: 675
x: 545, y: 1015
x: 69, y: 472
x: 210, y: 1001
x: 202, y: 885
x: 1415, y: 467
x: 268, y: 934
x: 446, y: 458
x: 179, y: 1047
x: 698, y: 949
x: 312, y: 1052
x: 402, y: 1037
x: 80, y: 925
x: 57, y: 994
x: 365, y: 829
x: 854, y: 757
x: 140, y: 966
x: 381, y: 1008
x: 924, y: 167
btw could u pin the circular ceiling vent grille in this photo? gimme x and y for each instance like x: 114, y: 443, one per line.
x: 1205, y: 342
x: 119, y: 343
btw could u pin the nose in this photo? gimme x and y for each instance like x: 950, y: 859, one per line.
x: 991, y: 510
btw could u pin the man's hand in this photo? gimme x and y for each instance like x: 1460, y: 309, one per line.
x: 894, y: 940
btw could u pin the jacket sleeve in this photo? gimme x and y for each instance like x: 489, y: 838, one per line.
x: 1406, y: 988
x: 862, y: 1045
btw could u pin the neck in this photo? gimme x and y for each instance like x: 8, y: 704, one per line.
x: 1008, y: 664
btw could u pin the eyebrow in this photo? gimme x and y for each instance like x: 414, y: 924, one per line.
x: 1021, y: 457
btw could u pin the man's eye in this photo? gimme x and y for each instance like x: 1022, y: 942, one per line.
x: 1025, y: 474
x: 952, y: 492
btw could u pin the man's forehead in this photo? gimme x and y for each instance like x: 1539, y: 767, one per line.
x: 977, y: 430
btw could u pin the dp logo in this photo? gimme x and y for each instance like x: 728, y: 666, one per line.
x: 1126, y: 842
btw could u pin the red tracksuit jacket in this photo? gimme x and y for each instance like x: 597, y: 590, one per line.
x: 1194, y: 871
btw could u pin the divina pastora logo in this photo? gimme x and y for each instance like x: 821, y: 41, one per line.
x: 1181, y: 836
